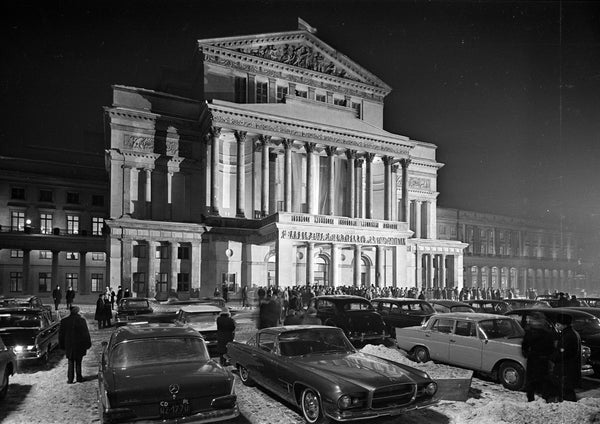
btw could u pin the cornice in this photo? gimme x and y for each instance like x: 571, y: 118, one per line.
x: 192, y: 126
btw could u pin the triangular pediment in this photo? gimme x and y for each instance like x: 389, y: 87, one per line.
x: 300, y: 49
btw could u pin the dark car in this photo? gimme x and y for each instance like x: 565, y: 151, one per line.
x: 592, y: 302
x: 133, y: 309
x: 318, y: 370
x: 527, y: 303
x: 32, y: 333
x: 489, y: 306
x: 8, y: 366
x: 353, y: 314
x: 446, y: 306
x: 203, y: 319
x: 25, y: 301
x: 162, y: 373
x: 402, y: 312
x: 587, y: 325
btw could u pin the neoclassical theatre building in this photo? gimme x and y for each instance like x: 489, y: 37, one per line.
x: 270, y: 166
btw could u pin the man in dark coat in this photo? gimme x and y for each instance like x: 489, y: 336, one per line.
x: 269, y: 313
x: 70, y: 296
x: 538, y: 348
x: 99, y: 315
x: 225, y: 334
x: 74, y: 338
x: 567, y: 359
x: 57, y: 297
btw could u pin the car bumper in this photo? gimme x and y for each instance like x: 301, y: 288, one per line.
x: 201, y: 417
x: 350, y: 415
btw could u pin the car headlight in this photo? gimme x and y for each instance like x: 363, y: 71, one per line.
x: 431, y: 388
x: 347, y: 401
x: 18, y: 348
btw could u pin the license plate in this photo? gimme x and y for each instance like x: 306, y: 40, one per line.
x: 174, y: 408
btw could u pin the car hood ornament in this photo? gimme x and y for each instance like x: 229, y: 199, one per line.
x: 174, y: 389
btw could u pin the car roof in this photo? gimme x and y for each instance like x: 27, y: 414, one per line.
x: 147, y: 299
x: 341, y: 297
x: 399, y: 299
x: 287, y: 328
x: 447, y: 302
x: 553, y: 311
x: 484, y: 301
x: 20, y: 310
x: 152, y: 330
x: 192, y: 309
x: 472, y: 316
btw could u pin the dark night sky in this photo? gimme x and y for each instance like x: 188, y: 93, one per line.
x: 482, y: 80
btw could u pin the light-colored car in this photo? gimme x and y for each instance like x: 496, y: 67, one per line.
x: 203, y: 319
x: 487, y: 343
x: 8, y: 366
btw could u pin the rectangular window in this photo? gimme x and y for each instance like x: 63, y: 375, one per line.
x: 73, y: 197
x: 162, y: 282
x: 17, y: 193
x: 139, y: 282
x: 17, y: 221
x: 183, y: 252
x: 97, y: 200
x: 356, y: 107
x: 97, y: 256
x: 240, y: 90
x: 339, y: 102
x: 45, y: 281
x: 72, y: 224
x: 71, y: 280
x: 162, y: 252
x: 72, y: 256
x: 16, y: 281
x: 183, y: 282
x: 45, y: 254
x: 16, y: 253
x: 97, y: 282
x: 281, y: 93
x: 140, y: 251
x: 46, y: 223
x: 301, y: 93
x: 262, y: 92
x: 46, y: 195
x: 97, y: 225
x: 321, y: 97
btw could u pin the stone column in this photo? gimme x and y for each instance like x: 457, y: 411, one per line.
x: 357, y: 265
x: 379, y: 265
x: 55, y: 267
x: 148, y: 197
x: 287, y: 170
x: 394, y: 198
x: 369, y: 189
x: 310, y: 263
x: 334, y: 272
x: 264, y: 192
x: 151, y: 280
x: 330, y: 150
x: 387, y: 187
x: 195, y: 272
x: 430, y: 270
x: 351, y: 155
x: 173, y: 263
x: 358, y: 188
x: 27, y: 286
x: 405, y: 205
x: 240, y: 188
x: 169, y: 206
x: 83, y: 281
x: 417, y: 218
x: 419, y: 270
x: 311, y: 206
x: 443, y: 270
x: 126, y: 190
x: 214, y: 170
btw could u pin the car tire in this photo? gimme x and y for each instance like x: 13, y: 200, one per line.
x: 4, y: 384
x: 421, y: 354
x: 312, y: 411
x: 45, y: 357
x: 511, y: 375
x: 245, y: 376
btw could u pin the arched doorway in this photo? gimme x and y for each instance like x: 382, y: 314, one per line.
x: 321, y: 271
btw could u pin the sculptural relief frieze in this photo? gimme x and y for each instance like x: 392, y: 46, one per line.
x: 419, y: 183
x: 140, y: 143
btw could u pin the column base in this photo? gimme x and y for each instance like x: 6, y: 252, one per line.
x: 214, y: 211
x: 240, y: 214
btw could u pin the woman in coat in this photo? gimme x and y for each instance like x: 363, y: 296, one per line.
x: 99, y: 314
x: 225, y: 334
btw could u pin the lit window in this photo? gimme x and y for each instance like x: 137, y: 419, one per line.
x: 71, y: 279
x: 97, y: 256
x: 72, y: 224
x: 97, y: 225
x: 46, y: 223
x: 72, y: 256
x: 16, y: 281
x: 45, y: 254
x: 15, y: 253
x: 17, y: 221
x: 97, y: 282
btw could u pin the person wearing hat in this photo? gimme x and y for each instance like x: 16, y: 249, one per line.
x: 74, y: 338
x: 538, y: 347
x: 567, y: 359
x: 225, y: 334
x: 311, y: 318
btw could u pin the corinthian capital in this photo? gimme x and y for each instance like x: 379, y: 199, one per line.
x: 351, y: 154
x: 240, y: 136
x: 405, y: 162
x: 310, y: 147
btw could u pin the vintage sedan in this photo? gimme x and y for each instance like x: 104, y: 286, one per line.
x: 8, y: 366
x: 527, y: 303
x: 32, y: 333
x: 443, y: 306
x: 162, y: 373
x: 355, y: 315
x: 487, y: 343
x: 133, y: 309
x: 489, y: 306
x: 402, y: 312
x: 317, y: 369
x: 203, y: 319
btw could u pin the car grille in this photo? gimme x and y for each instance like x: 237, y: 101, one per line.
x: 392, y: 396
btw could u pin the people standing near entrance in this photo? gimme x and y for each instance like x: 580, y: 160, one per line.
x: 99, y: 314
x: 225, y: 292
x: 567, y: 359
x: 225, y: 334
x: 57, y: 297
x: 69, y: 297
x: 107, y: 311
x: 112, y: 299
x: 127, y: 293
x: 538, y: 347
x: 74, y: 338
x: 119, y: 294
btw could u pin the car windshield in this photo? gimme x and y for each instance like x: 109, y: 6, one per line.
x: 586, y: 325
x: 501, y: 328
x: 419, y: 307
x: 358, y: 306
x: 133, y: 353
x: 201, y: 317
x: 135, y: 304
x: 20, y: 320
x: 317, y: 341
x: 462, y: 309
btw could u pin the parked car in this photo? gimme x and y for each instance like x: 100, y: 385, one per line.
x: 8, y: 366
x: 527, y: 303
x: 487, y: 343
x: 587, y: 325
x: 162, y: 373
x: 32, y: 333
x: 444, y: 306
x: 592, y: 302
x: 489, y: 306
x: 133, y: 309
x: 25, y: 301
x: 318, y: 370
x: 203, y: 319
x: 402, y: 312
x: 353, y: 314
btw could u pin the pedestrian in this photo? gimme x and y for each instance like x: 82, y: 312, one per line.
x: 119, y: 294
x: 311, y: 318
x: 268, y: 314
x: 74, y: 338
x: 127, y: 293
x: 57, y: 297
x: 99, y: 314
x: 69, y: 297
x: 567, y: 359
x: 107, y: 311
x: 245, y: 296
x: 293, y: 317
x: 225, y: 334
x: 538, y: 347
x: 112, y: 299
x: 225, y: 293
